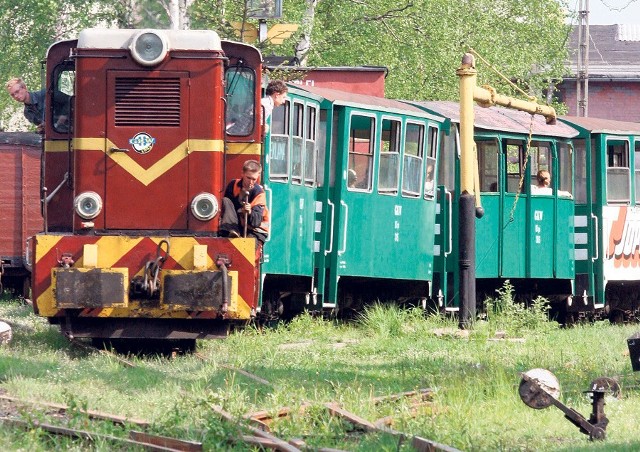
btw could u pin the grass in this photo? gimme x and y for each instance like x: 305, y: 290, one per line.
x: 313, y: 361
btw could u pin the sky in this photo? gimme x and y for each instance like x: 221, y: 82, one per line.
x: 610, y: 12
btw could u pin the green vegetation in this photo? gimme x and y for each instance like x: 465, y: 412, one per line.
x: 420, y: 41
x: 474, y: 378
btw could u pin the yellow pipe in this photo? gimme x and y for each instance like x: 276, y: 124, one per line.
x: 488, y: 97
x: 468, y: 74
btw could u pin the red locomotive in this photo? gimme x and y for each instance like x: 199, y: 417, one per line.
x: 135, y: 165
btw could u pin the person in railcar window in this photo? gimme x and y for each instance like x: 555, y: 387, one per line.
x: 543, y: 186
x: 275, y: 95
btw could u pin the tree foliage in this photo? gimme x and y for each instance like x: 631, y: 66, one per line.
x: 420, y: 41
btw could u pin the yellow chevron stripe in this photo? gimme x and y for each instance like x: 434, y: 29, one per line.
x: 44, y: 244
x: 144, y: 176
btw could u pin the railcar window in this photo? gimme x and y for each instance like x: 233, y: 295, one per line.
x: 310, y: 146
x: 297, y: 143
x: 540, y: 158
x: 321, y: 141
x: 279, y: 144
x: 581, y: 171
x: 240, y: 92
x: 618, y: 189
x: 63, y: 92
x: 565, y: 176
x: 430, y: 178
x: 361, y: 144
x: 514, y: 165
x: 636, y: 166
x: 389, y: 170
x: 448, y: 154
x: 412, y: 161
x: 433, y: 141
x: 488, y: 165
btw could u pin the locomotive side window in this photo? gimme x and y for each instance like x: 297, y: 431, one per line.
x: 389, y: 170
x: 563, y: 180
x: 514, y: 166
x: 240, y: 91
x: 636, y: 166
x: 412, y: 160
x: 361, y: 144
x: 63, y: 91
x: 310, y: 146
x: 618, y: 171
x: 279, y: 151
x: 488, y: 165
x: 297, y: 142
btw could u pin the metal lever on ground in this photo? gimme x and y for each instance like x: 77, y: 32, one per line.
x: 539, y: 390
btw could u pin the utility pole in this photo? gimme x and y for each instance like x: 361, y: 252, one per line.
x: 582, y: 70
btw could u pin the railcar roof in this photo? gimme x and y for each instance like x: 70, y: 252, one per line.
x: 599, y: 125
x: 501, y: 119
x: 108, y: 38
x: 364, y: 101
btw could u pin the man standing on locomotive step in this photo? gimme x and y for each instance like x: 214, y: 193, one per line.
x: 244, y: 209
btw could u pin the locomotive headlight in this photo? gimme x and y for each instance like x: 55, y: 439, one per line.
x: 88, y: 205
x: 204, y: 206
x: 149, y: 47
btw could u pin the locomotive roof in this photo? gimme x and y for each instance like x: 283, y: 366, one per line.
x: 365, y: 101
x: 501, y: 119
x: 598, y: 125
x: 109, y: 38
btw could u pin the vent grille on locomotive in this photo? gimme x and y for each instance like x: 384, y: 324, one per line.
x: 147, y: 102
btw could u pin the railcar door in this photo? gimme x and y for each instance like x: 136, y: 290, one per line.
x: 147, y: 150
x: 514, y: 211
x: 384, y: 203
x: 290, y: 182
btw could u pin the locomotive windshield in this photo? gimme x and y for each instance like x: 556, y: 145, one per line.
x: 240, y: 88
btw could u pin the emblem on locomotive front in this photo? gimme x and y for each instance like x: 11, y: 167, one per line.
x: 142, y: 142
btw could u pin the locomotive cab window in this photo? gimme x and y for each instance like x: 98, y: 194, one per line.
x: 540, y: 155
x: 240, y: 93
x: 488, y: 165
x: 412, y: 160
x: 279, y: 151
x: 618, y: 189
x: 63, y: 92
x: 389, y: 170
x: 361, y: 145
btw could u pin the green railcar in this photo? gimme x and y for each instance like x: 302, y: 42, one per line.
x: 525, y: 236
x: 293, y: 148
x: 607, y: 198
x: 361, y: 226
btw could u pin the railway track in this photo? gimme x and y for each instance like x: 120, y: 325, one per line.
x: 252, y: 429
